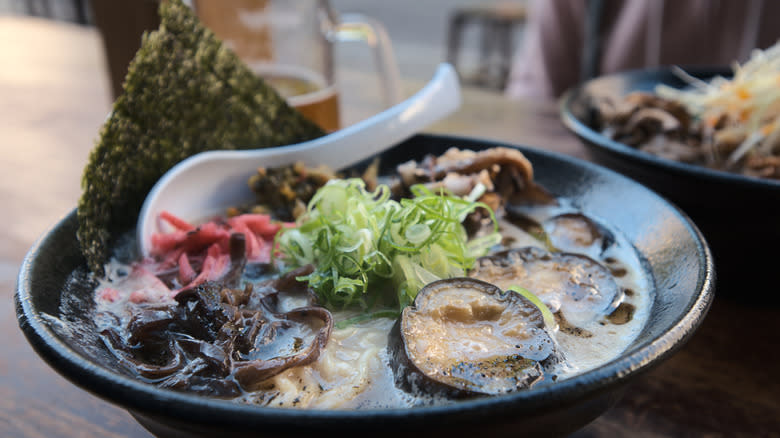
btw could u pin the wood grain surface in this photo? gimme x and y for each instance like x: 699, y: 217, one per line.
x: 54, y: 95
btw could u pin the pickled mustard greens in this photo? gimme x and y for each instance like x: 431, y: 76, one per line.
x: 184, y: 93
x: 363, y: 243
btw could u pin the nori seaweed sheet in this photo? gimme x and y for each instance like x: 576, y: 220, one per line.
x: 184, y: 93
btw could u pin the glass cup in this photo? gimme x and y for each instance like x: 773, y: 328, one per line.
x: 290, y: 44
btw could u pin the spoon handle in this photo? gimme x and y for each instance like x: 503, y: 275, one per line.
x: 348, y: 146
x: 364, y: 139
x: 209, y: 182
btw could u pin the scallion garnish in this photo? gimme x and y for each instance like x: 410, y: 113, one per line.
x: 363, y: 243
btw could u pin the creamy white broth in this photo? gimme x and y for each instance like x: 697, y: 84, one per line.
x: 608, y: 339
x: 353, y: 370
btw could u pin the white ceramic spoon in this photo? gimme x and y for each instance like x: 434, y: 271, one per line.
x: 207, y: 183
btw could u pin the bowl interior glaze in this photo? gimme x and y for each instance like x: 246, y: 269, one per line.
x: 673, y: 251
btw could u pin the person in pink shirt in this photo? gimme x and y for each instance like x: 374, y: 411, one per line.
x: 568, y: 41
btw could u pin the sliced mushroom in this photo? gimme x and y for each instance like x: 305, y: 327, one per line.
x: 575, y: 232
x: 639, y: 117
x: 673, y: 107
x: 653, y: 120
x: 670, y: 148
x: 465, y: 337
x: 764, y: 167
x: 610, y: 110
x: 500, y: 170
x: 576, y: 285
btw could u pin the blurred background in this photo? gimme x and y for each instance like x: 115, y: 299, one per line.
x: 55, y: 93
x: 420, y: 39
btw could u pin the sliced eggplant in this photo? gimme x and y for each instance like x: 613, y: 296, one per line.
x: 465, y: 337
x: 573, y: 284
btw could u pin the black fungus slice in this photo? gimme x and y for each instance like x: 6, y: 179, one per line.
x: 221, y: 341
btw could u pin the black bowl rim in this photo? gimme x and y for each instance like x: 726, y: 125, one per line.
x: 596, y: 140
x: 147, y: 399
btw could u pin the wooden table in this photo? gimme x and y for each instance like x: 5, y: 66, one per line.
x: 54, y: 95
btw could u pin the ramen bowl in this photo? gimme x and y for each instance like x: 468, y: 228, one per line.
x: 672, y: 250
x: 738, y: 214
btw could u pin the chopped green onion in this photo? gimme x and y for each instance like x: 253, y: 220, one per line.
x: 549, y: 319
x: 358, y: 239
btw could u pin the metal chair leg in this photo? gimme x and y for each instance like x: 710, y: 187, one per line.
x: 80, y: 6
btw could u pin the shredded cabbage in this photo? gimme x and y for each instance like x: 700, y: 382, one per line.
x: 364, y: 244
x: 749, y: 102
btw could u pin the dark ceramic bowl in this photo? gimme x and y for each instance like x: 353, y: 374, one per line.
x: 673, y: 251
x: 739, y: 215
